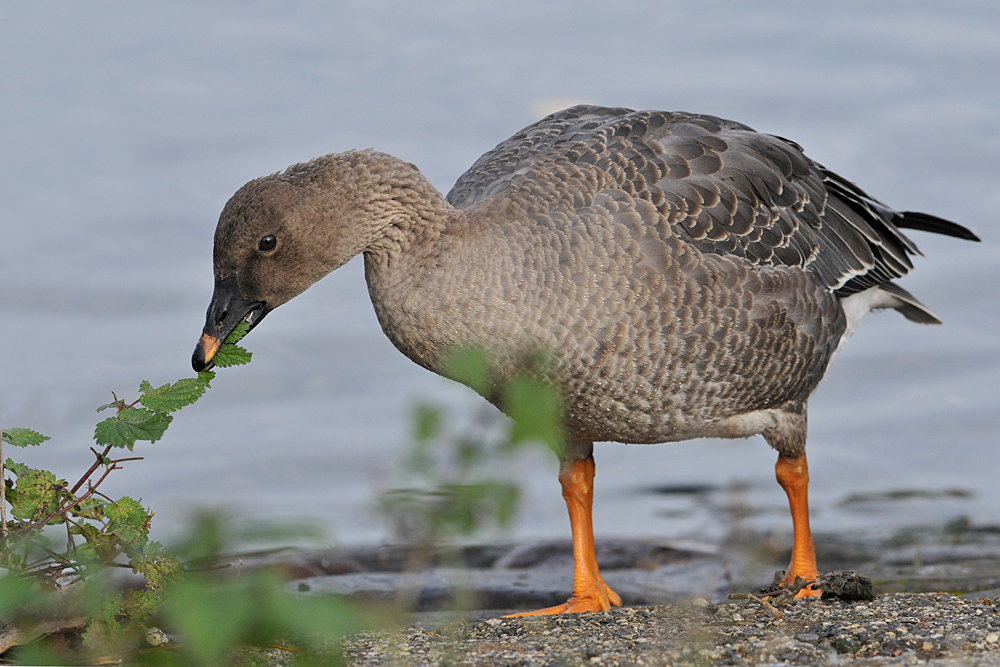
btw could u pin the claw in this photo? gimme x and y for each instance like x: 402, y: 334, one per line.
x: 601, y: 598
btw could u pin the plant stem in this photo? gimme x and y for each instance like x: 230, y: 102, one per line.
x: 3, y: 490
x: 131, y: 458
x: 70, y: 545
x: 63, y: 510
x: 86, y: 475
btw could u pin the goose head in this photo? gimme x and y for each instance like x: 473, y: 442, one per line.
x: 280, y: 234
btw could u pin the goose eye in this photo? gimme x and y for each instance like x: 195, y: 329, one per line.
x: 267, y: 243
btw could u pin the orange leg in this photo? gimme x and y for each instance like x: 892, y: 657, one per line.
x: 793, y: 475
x: 590, y: 593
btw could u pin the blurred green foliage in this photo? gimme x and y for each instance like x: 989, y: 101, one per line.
x: 451, y: 483
x: 60, y: 602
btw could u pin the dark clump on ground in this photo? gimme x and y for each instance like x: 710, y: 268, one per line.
x: 847, y: 586
x: 894, y: 629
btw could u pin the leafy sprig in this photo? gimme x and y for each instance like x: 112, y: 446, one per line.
x: 101, y: 532
x: 231, y: 354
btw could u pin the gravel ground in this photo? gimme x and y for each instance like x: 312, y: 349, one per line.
x: 895, y: 629
x: 677, y: 612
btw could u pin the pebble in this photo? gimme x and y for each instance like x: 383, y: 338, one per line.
x: 156, y: 637
x: 807, y: 633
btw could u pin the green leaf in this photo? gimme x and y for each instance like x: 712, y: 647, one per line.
x: 505, y: 498
x: 231, y: 355
x: 210, y: 619
x: 108, y: 405
x: 536, y: 410
x: 17, y: 594
x: 126, y: 520
x: 316, y: 621
x: 37, y: 492
x: 171, y: 397
x: 469, y: 366
x: 111, y: 607
x: 468, y: 452
x: 426, y: 423
x: 241, y: 330
x: 23, y: 437
x: 256, y: 610
x: 158, y: 566
x: 137, y: 606
x: 129, y: 425
x: 17, y: 468
x: 91, y: 508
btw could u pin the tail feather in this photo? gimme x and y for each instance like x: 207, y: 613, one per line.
x: 907, y: 304
x: 931, y: 223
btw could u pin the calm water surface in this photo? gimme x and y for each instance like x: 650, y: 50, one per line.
x: 124, y: 128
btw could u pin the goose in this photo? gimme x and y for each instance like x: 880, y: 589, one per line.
x: 693, y: 277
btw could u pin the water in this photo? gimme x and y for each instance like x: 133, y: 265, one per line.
x: 124, y: 128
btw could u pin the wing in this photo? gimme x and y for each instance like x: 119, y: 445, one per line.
x: 492, y: 172
x: 717, y: 184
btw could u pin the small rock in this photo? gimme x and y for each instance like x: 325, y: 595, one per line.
x: 493, y: 622
x: 992, y: 638
x: 844, y: 645
x: 156, y: 637
x: 699, y: 602
x: 927, y: 646
x: 807, y: 637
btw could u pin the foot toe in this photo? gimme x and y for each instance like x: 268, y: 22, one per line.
x: 577, y: 605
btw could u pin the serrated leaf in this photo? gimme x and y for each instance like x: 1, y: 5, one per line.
x: 231, y: 355
x: 107, y: 405
x: 131, y: 424
x: 91, y: 508
x: 157, y: 565
x: 23, y: 437
x: 126, y: 519
x: 17, y: 468
x: 171, y: 397
x: 241, y: 330
x: 37, y: 492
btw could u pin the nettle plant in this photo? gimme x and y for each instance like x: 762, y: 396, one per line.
x: 59, y: 535
x: 60, y: 541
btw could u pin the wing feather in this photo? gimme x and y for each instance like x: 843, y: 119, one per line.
x: 719, y: 185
